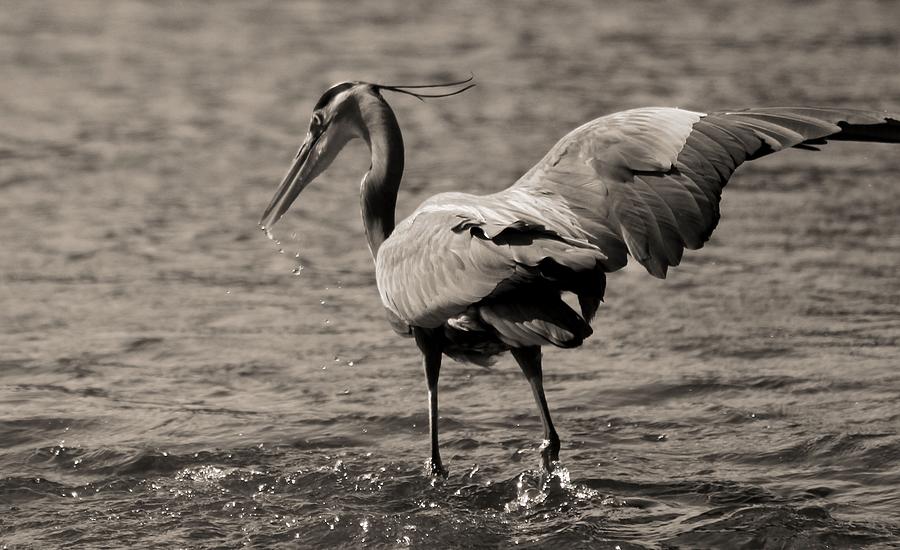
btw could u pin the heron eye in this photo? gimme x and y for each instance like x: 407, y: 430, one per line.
x: 316, y: 121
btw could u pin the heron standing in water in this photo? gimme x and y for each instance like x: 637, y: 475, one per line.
x: 472, y: 276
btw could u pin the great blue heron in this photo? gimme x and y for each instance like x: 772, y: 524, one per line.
x: 474, y: 276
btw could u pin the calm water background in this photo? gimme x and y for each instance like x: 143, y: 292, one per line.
x: 165, y: 381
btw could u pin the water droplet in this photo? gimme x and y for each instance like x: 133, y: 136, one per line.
x: 349, y: 363
x: 227, y: 292
x: 332, y: 522
x: 321, y: 302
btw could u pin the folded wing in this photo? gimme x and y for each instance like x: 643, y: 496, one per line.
x: 457, y: 250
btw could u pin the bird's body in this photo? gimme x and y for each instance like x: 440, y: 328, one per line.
x: 470, y: 259
x: 473, y: 276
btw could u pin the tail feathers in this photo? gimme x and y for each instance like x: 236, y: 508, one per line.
x: 469, y: 340
x: 589, y: 284
x: 535, y: 322
x: 482, y: 358
x: 589, y: 305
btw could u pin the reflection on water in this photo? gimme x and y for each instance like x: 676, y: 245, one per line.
x: 165, y: 382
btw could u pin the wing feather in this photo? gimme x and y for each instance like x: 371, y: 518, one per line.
x: 671, y: 241
x: 648, y: 181
x: 681, y: 196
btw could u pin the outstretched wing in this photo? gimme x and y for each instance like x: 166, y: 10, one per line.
x: 648, y: 181
x: 457, y: 249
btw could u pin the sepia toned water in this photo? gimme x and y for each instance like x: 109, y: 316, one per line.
x: 168, y: 381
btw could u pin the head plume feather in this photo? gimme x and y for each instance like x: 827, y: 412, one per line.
x: 421, y: 96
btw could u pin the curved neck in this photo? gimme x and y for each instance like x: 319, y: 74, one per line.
x: 378, y: 191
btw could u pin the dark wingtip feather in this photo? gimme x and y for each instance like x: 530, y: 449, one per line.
x: 887, y: 131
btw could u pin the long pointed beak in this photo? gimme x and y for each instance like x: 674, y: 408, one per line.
x: 294, y: 182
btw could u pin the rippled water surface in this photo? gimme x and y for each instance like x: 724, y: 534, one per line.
x: 165, y: 381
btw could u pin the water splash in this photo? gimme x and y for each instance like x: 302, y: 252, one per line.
x: 529, y: 493
x: 207, y: 473
x: 58, y: 448
x: 536, y: 488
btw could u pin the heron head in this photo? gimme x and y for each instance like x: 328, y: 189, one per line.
x: 336, y: 119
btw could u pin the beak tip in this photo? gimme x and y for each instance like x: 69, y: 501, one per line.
x: 291, y: 186
x: 269, y: 219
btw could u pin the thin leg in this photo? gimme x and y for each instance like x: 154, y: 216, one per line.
x: 529, y: 360
x: 430, y: 345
